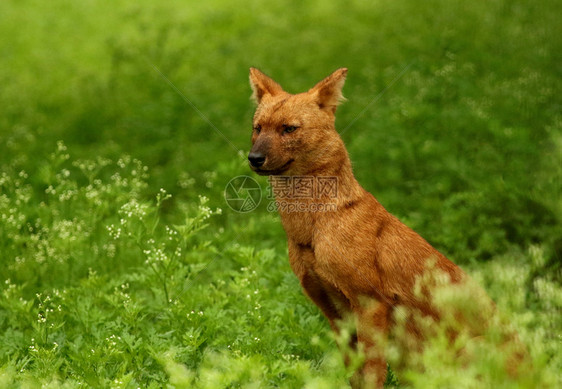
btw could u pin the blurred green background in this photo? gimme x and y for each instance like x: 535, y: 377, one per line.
x: 453, y: 119
x: 465, y: 145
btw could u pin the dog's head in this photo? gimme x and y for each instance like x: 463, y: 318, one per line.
x: 294, y: 134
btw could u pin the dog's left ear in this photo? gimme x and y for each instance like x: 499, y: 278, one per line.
x: 327, y: 92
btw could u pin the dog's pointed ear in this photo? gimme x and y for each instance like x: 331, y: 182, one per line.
x: 327, y: 93
x: 262, y: 85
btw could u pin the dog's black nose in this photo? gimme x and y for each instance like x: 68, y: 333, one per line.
x: 256, y: 159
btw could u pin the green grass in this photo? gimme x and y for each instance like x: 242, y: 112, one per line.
x: 122, y: 273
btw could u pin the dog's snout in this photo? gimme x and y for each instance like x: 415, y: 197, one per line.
x: 256, y: 159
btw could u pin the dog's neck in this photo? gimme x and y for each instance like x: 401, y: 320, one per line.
x: 333, y: 183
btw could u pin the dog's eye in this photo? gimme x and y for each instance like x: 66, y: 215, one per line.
x: 257, y: 128
x: 288, y: 129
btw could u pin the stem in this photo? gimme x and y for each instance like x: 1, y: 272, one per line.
x: 163, y: 280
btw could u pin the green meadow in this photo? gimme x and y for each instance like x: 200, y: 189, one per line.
x: 121, y: 124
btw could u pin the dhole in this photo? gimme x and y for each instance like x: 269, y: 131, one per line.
x: 355, y: 258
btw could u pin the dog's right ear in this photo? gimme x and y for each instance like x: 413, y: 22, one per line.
x: 262, y: 85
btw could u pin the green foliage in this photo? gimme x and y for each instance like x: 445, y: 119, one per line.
x: 472, y: 345
x: 109, y: 281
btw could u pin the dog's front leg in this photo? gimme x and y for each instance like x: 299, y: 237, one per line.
x: 302, y: 259
x: 373, y: 322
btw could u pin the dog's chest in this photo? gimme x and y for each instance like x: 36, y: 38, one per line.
x: 299, y: 227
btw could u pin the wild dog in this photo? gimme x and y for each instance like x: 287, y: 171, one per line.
x: 355, y: 258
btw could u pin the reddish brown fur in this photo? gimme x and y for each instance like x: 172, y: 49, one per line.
x: 360, y: 250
